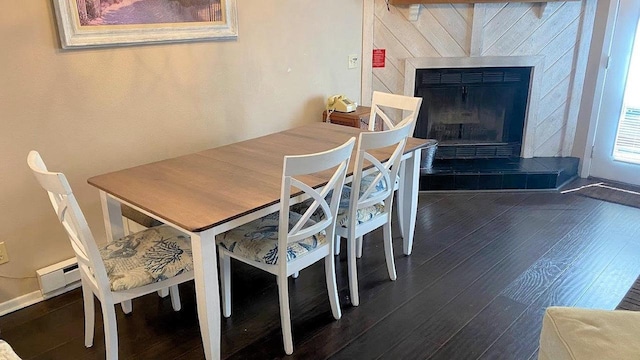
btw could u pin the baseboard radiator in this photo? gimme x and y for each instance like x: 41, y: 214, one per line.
x: 59, y: 278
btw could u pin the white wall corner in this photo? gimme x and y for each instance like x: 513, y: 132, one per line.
x: 368, y: 15
x: 578, y: 87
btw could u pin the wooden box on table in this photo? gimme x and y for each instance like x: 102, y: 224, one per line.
x: 358, y: 118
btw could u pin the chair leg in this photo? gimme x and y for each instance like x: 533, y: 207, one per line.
x: 359, y: 247
x: 89, y: 315
x: 353, y: 272
x: 400, y: 199
x: 225, y: 283
x: 285, y: 316
x: 337, y: 246
x: 175, y: 298
x: 110, y: 329
x: 332, y: 287
x: 126, y: 306
x: 388, y: 251
x: 163, y: 293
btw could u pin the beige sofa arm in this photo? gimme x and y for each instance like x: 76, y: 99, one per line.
x: 586, y: 334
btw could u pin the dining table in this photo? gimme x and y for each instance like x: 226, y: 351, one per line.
x: 212, y: 191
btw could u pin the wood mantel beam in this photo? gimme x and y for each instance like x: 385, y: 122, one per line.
x: 411, y: 2
x: 414, y: 5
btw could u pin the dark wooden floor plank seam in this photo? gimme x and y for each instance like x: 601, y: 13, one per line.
x: 630, y: 245
x: 494, y: 313
x: 612, y: 284
x: 457, y: 351
x: 519, y: 198
x: 32, y: 312
x: 535, y: 281
x: 494, y: 280
x: 481, y: 239
x: 480, y: 227
x: 490, y: 282
x: 528, y: 325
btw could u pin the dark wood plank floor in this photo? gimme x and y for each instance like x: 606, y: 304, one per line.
x: 483, y: 269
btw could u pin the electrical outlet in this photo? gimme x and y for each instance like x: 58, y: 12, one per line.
x: 4, y: 257
x: 353, y: 61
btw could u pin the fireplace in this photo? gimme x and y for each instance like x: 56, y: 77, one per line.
x: 473, y: 112
x: 483, y: 111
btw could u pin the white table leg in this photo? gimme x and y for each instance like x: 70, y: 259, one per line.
x: 400, y: 199
x: 409, y: 193
x: 205, y: 266
x: 112, y: 213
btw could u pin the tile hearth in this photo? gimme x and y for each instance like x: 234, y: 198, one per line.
x: 540, y: 173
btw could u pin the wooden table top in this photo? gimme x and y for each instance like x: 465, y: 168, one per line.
x: 204, y: 189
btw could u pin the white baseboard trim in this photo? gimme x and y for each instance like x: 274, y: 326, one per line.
x: 20, y: 302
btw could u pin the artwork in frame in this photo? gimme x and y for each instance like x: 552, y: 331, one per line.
x: 98, y: 23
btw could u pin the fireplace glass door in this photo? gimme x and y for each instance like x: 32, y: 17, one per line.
x: 473, y: 112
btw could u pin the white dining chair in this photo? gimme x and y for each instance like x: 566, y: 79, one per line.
x: 393, y: 109
x: 286, y: 242
x: 390, y: 110
x: 369, y: 205
x: 401, y: 107
x: 135, y: 265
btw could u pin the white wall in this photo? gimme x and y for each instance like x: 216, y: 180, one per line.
x: 98, y: 110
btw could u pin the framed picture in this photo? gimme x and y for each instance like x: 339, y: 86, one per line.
x: 97, y: 23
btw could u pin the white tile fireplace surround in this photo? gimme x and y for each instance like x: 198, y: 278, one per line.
x: 536, y: 63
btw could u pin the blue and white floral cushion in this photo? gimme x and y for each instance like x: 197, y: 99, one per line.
x: 146, y: 257
x: 258, y: 240
x: 363, y: 215
x: 367, y: 180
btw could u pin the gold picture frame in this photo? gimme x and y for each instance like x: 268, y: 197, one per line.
x: 100, y: 23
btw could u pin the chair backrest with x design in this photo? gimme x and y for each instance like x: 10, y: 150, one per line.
x: 72, y: 219
x: 385, y: 107
x: 323, y: 212
x: 287, y: 242
x: 380, y: 189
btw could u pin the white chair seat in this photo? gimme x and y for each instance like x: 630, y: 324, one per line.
x: 258, y: 240
x: 145, y: 257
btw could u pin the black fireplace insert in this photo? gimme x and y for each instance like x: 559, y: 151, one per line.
x: 473, y: 112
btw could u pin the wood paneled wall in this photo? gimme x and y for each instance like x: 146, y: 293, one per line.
x: 561, y: 33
